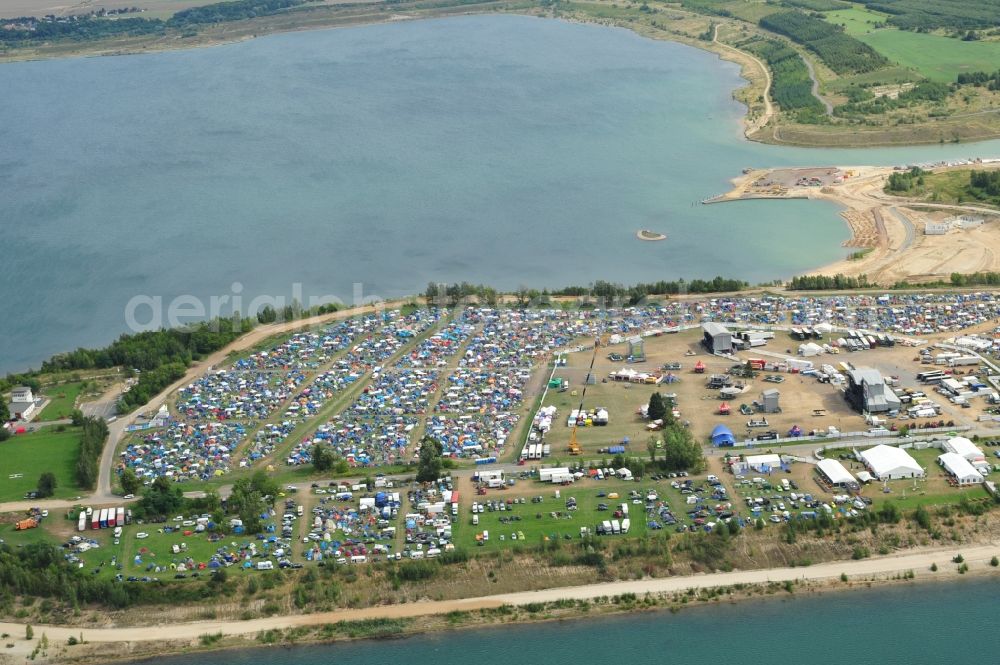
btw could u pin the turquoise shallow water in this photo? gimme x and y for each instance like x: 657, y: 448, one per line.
x: 496, y: 149
x: 905, y: 625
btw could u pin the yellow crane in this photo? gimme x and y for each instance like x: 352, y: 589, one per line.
x: 574, y: 445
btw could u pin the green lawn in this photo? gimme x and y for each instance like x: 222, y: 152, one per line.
x: 26, y: 456
x: 63, y: 400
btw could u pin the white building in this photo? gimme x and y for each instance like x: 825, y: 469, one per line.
x: 836, y: 473
x: 22, y: 403
x: 889, y: 463
x: 960, y: 469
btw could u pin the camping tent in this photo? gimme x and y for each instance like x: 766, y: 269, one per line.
x: 722, y: 436
x: 724, y: 409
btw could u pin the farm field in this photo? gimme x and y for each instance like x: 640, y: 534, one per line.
x: 26, y: 456
x: 937, y: 57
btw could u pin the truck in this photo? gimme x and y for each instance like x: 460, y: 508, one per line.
x: 112, y: 518
x: 95, y: 519
x: 626, y: 525
x: 120, y: 519
x: 103, y: 521
x: 963, y: 361
x: 81, y: 522
x: 22, y: 525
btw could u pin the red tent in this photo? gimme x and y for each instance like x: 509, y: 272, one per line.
x: 699, y: 367
x: 724, y: 409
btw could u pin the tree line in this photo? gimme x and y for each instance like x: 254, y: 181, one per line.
x: 980, y: 79
x: 93, y: 436
x: 449, y: 295
x: 827, y: 283
x: 30, y: 29
x: 927, y: 15
x: 841, y: 52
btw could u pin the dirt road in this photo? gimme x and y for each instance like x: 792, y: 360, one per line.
x: 752, y: 126
x: 919, y: 562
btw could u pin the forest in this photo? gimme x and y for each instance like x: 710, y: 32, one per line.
x: 791, y: 86
x: 926, y: 15
x: 840, y: 52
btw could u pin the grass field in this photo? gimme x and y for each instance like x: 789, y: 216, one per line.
x: 555, y: 521
x: 25, y: 457
x: 63, y: 399
x: 856, y: 21
x: 934, y: 56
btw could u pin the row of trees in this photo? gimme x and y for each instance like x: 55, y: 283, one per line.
x: 151, y: 349
x: 31, y: 29
x: 840, y: 52
x: 93, y: 435
x: 828, y: 283
x: 980, y: 79
x: 449, y: 294
x: 28, y: 29
x: 975, y: 279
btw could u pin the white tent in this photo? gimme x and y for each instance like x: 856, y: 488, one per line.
x: 836, y: 473
x: 762, y: 463
x: 965, y: 448
x: 888, y: 463
x: 810, y: 349
x: 960, y: 469
x: 823, y: 328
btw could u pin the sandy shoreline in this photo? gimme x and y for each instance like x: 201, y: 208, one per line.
x: 819, y: 577
x: 888, y: 243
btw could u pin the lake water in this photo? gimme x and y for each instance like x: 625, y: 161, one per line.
x: 903, y: 625
x: 497, y: 149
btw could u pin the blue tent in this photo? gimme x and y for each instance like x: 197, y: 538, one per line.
x: 722, y: 436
